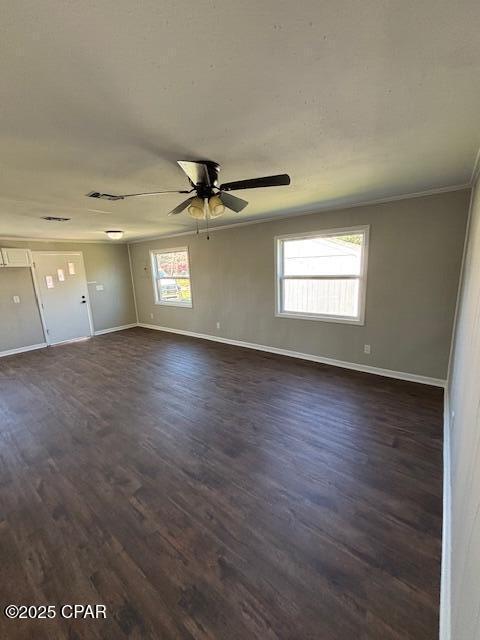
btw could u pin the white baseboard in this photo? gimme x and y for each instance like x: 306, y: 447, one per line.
x: 32, y: 347
x: 446, y: 576
x: 121, y: 328
x: 387, y: 373
x: 62, y: 343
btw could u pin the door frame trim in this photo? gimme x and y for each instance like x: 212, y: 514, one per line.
x: 39, y: 297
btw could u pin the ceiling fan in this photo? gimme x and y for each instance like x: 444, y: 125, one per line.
x: 211, y: 199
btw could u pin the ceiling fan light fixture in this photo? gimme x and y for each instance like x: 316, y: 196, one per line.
x: 114, y: 234
x: 216, y: 206
x: 196, y: 209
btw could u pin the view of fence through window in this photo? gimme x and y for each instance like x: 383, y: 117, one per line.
x: 172, y: 276
x: 320, y: 275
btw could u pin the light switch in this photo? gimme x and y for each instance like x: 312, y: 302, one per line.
x: 16, y: 299
x: 99, y: 287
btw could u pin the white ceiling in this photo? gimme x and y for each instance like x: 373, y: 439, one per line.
x: 356, y: 100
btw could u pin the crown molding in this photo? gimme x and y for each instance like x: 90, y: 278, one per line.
x: 476, y: 169
x: 59, y: 240
x: 307, y: 212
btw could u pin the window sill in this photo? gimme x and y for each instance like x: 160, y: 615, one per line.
x: 320, y: 318
x: 187, y: 305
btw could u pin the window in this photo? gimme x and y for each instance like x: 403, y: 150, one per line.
x: 322, y: 275
x: 171, y: 277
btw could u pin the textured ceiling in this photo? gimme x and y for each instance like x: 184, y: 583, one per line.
x: 356, y: 100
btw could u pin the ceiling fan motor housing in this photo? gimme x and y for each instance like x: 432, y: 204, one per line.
x: 206, y: 190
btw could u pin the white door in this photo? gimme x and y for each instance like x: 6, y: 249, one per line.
x: 62, y: 287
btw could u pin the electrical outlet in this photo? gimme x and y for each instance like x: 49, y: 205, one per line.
x: 366, y: 349
x: 218, y: 325
x: 151, y: 316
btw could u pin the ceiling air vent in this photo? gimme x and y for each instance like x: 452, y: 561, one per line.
x: 55, y: 219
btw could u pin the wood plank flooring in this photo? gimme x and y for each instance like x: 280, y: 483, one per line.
x: 204, y: 491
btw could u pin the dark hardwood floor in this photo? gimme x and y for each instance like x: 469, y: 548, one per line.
x: 203, y: 491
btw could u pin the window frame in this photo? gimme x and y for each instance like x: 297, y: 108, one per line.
x: 362, y: 278
x: 153, y: 268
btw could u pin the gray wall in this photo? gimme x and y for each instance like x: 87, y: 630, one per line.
x: 108, y: 264
x: 460, y: 580
x: 414, y: 262
x: 20, y: 324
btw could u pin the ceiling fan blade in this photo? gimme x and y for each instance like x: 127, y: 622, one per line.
x: 153, y: 193
x: 109, y: 196
x: 267, y: 181
x: 103, y: 196
x: 181, y: 207
x: 232, y: 202
x: 196, y: 171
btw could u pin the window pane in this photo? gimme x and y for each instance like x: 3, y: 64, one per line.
x: 185, y: 292
x: 323, y: 256
x: 174, y: 290
x: 172, y: 264
x: 328, y: 297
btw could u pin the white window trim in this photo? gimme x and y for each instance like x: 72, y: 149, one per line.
x: 358, y: 320
x: 153, y: 270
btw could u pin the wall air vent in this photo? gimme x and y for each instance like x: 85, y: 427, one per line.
x: 55, y: 219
